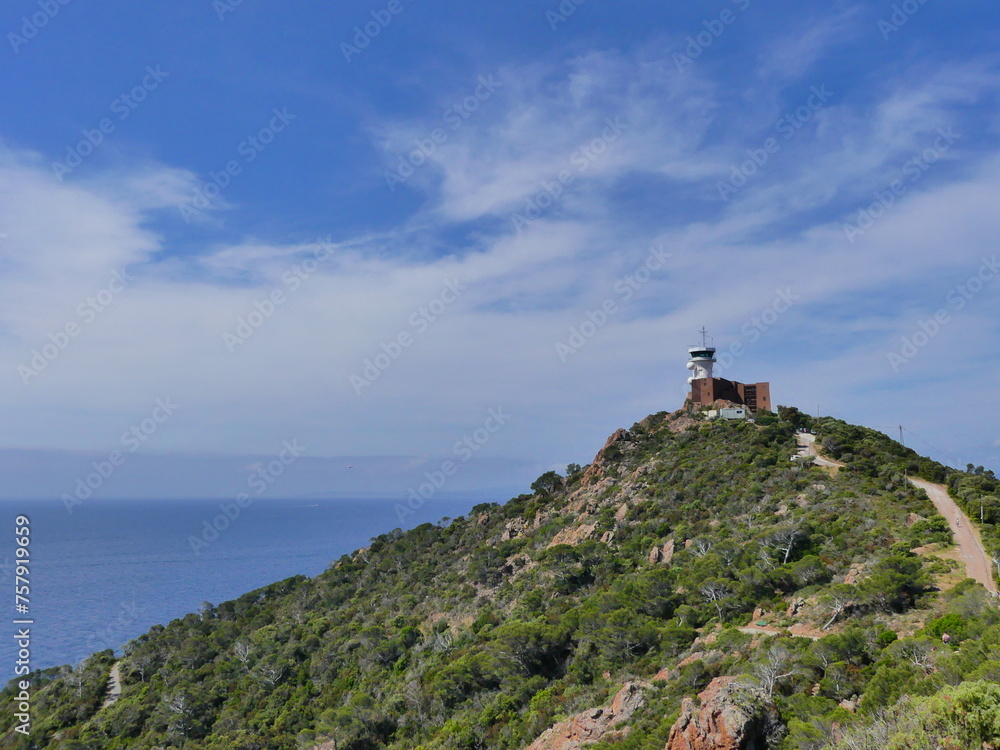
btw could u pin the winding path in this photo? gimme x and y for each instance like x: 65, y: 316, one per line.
x: 807, y: 447
x: 978, y: 564
x: 114, y: 686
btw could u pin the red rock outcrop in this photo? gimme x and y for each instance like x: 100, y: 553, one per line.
x: 730, y: 717
x: 605, y: 455
x: 593, y: 725
x: 573, y: 535
x: 668, y: 552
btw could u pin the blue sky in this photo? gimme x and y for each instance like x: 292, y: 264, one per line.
x: 364, y: 225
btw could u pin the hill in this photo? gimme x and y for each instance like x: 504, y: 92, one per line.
x: 697, y: 586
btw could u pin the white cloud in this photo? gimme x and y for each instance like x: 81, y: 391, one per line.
x: 549, y: 125
x: 791, y: 57
x: 495, y: 344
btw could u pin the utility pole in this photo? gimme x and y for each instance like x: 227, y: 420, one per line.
x: 904, y: 445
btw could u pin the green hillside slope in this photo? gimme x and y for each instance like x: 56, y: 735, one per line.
x: 483, y: 631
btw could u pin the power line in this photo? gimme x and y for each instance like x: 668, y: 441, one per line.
x: 932, y: 447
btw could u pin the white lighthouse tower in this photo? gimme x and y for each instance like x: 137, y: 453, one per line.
x: 702, y: 359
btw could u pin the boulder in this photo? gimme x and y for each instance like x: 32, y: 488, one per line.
x: 606, y: 456
x: 513, y: 529
x: 668, y: 552
x: 794, y: 606
x: 729, y: 716
x: 595, y: 724
x: 854, y: 573
x: 573, y: 535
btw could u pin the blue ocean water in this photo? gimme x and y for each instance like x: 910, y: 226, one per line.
x: 107, y: 572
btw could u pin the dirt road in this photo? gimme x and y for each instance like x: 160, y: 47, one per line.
x: 807, y: 447
x: 978, y: 564
x: 114, y: 686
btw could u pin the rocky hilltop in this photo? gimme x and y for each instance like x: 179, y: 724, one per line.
x: 728, y: 716
x: 701, y: 585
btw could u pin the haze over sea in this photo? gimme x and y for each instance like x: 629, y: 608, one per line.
x: 107, y: 572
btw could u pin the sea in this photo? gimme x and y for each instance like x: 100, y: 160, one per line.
x: 108, y: 571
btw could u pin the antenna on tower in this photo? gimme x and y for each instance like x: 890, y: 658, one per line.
x: 704, y: 336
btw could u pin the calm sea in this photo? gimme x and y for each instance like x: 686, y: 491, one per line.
x: 107, y: 572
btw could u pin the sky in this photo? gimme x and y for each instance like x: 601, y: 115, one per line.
x: 368, y: 247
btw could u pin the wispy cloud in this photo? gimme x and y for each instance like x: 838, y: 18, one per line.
x: 655, y: 185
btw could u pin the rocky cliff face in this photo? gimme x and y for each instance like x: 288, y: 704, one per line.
x: 729, y: 717
x: 593, y: 725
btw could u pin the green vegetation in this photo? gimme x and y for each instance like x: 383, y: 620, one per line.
x: 867, y: 452
x: 966, y: 716
x: 481, y: 632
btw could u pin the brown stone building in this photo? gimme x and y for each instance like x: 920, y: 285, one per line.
x: 755, y: 396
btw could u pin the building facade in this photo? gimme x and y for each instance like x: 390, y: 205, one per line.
x: 755, y: 396
x: 706, y: 388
